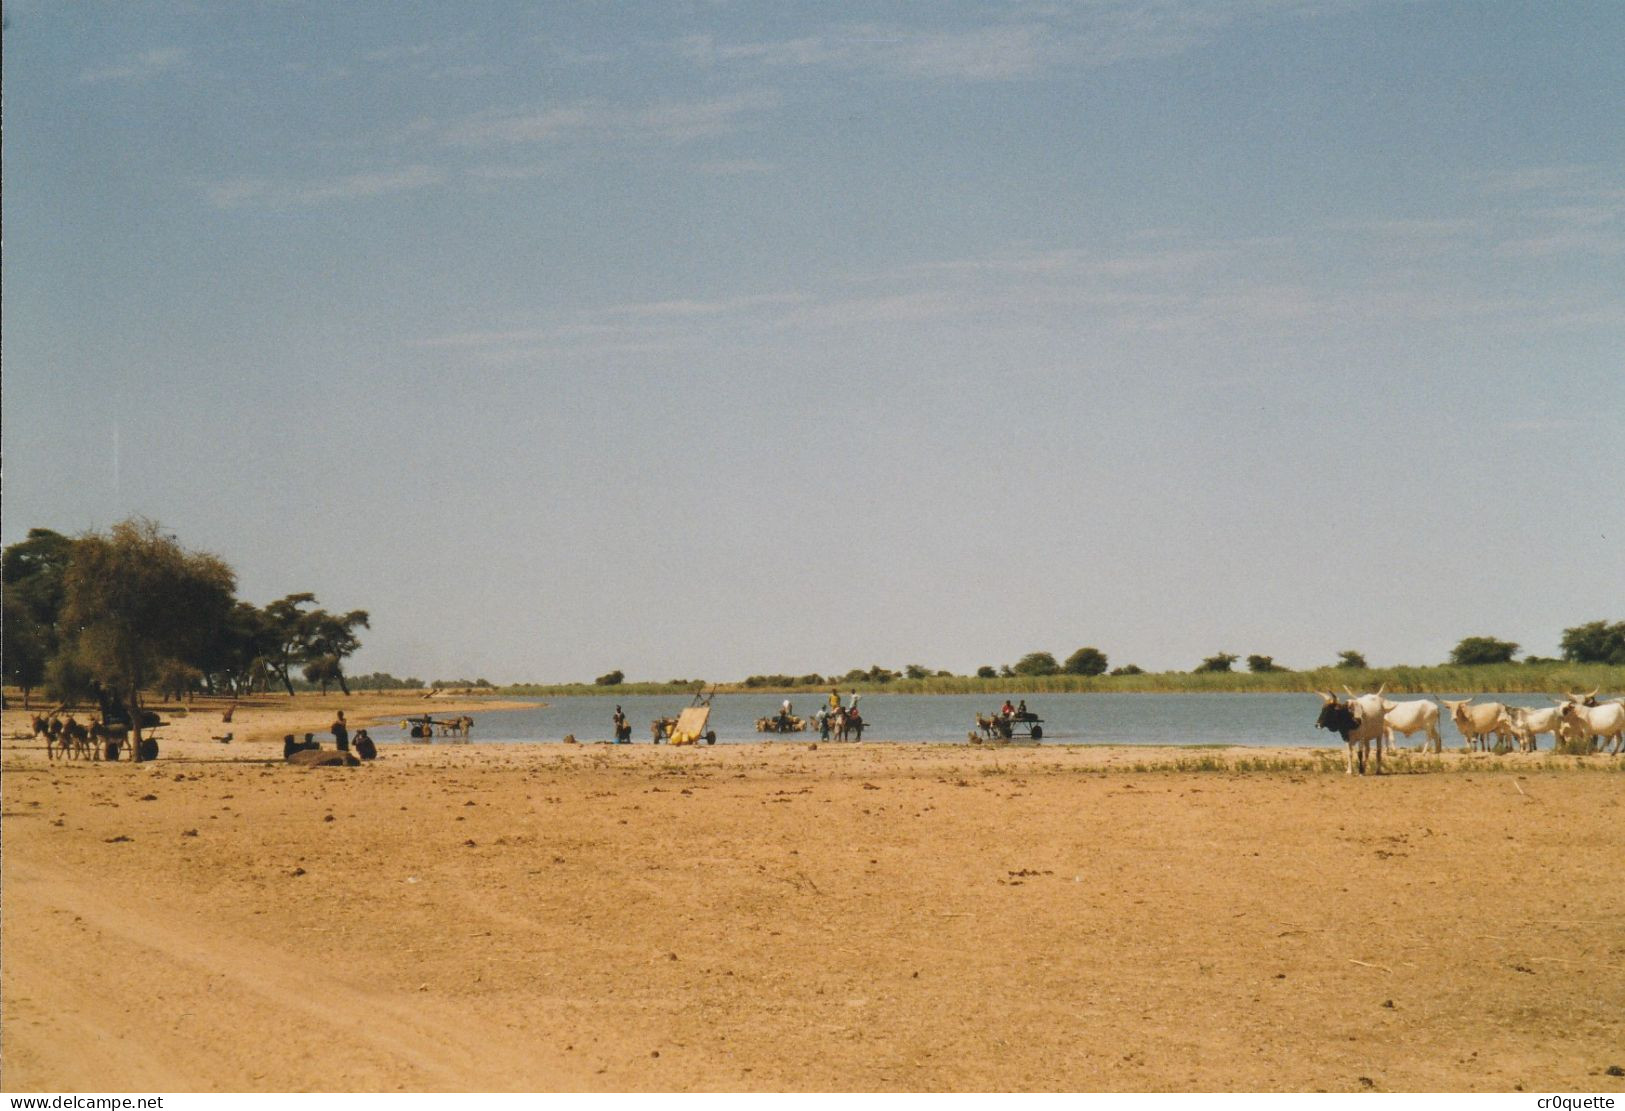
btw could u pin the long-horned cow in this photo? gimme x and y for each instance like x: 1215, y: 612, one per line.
x: 1604, y: 721
x: 1359, y: 721
x: 1476, y: 723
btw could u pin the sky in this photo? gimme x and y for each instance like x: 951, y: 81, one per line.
x: 708, y: 339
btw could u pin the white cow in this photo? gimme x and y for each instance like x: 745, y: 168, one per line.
x: 1528, y: 725
x: 1419, y: 716
x: 1476, y: 723
x: 1604, y: 721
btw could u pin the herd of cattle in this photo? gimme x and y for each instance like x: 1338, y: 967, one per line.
x: 1366, y: 719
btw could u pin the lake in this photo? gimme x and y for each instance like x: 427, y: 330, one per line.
x: 1144, y: 719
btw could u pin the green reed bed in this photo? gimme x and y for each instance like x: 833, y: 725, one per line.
x: 1552, y: 678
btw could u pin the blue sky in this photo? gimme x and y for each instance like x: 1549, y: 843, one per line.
x: 714, y: 338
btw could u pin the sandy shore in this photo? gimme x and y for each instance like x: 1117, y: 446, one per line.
x: 784, y: 916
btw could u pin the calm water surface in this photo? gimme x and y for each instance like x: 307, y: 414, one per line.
x: 1147, y: 719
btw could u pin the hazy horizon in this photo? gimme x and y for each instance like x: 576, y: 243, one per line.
x: 711, y: 339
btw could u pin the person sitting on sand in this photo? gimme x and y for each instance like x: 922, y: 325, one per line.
x: 291, y: 746
x: 364, y: 746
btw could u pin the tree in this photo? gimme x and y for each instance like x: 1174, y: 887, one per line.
x: 1128, y: 669
x: 1351, y: 660
x: 916, y: 671
x: 613, y: 679
x: 1085, y: 661
x: 1264, y: 664
x: 33, y: 574
x: 1220, y: 662
x: 1596, y: 642
x: 23, y: 647
x: 1476, y: 651
x: 287, y: 632
x: 1037, y: 663
x: 330, y: 638
x: 135, y: 601
x: 987, y: 671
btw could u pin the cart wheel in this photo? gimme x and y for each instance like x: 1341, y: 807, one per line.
x: 711, y: 737
x: 1038, y: 732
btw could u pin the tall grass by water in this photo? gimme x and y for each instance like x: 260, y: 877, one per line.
x: 1542, y: 678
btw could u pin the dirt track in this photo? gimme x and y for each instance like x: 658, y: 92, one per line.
x: 777, y: 917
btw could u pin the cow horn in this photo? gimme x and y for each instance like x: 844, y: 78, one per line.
x: 1348, y: 692
x: 1383, y: 687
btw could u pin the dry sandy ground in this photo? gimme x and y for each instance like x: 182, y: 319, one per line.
x: 785, y: 917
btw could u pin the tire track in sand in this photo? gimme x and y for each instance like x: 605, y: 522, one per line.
x: 104, y: 994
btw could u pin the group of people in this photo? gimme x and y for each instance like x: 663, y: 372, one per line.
x: 365, y: 747
x: 833, y: 718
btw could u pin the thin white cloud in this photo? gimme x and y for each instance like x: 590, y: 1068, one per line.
x: 737, y: 167
x: 271, y: 193
x: 1028, y: 40
x: 138, y: 67
x: 664, y: 121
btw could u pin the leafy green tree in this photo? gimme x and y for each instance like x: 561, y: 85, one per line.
x: 1220, y: 662
x: 33, y: 571
x: 1085, y: 661
x: 1596, y: 642
x: 287, y: 631
x: 1476, y: 651
x: 916, y: 671
x: 1037, y: 663
x: 134, y: 601
x: 1351, y: 660
x: 330, y: 638
x: 24, y: 647
x: 1264, y: 664
x: 987, y: 671
x: 613, y: 679
x: 1128, y: 669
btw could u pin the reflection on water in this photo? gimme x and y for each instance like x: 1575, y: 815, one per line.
x: 1149, y: 719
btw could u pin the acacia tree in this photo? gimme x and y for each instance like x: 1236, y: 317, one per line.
x: 329, y: 639
x: 287, y: 633
x: 136, y: 602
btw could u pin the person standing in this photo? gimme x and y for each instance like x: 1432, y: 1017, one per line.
x: 341, y: 733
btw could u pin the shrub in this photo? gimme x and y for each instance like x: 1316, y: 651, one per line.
x: 987, y: 671
x: 1128, y: 669
x: 613, y: 679
x: 1220, y: 662
x: 1351, y: 659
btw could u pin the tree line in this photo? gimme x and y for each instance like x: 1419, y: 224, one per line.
x: 105, y: 616
x: 1599, y: 642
